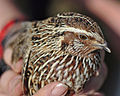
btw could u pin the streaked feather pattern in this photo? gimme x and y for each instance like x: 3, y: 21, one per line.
x: 52, y: 50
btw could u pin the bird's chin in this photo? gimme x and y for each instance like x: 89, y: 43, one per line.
x: 90, y: 52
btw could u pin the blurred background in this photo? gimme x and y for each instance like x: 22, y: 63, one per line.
x: 41, y: 9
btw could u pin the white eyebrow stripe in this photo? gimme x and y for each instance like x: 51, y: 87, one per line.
x: 76, y: 30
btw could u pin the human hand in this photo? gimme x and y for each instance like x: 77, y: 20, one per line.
x: 11, y: 84
x: 10, y: 81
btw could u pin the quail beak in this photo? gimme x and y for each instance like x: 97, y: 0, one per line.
x: 104, y: 46
x: 107, y: 49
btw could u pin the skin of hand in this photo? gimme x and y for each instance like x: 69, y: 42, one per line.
x: 11, y: 81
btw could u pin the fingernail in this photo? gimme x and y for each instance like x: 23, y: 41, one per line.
x: 14, y: 83
x: 59, y: 90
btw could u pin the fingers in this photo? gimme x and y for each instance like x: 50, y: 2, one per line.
x: 7, y: 57
x: 53, y: 89
x: 10, y: 84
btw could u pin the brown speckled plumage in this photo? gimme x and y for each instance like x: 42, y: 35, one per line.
x: 65, y: 48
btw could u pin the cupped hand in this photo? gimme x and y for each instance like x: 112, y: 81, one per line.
x: 11, y: 84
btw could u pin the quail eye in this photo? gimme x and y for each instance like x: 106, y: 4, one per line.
x: 83, y: 37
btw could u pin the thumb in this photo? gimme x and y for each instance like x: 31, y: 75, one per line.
x: 53, y: 89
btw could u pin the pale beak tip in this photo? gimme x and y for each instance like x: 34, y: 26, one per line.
x: 107, y: 49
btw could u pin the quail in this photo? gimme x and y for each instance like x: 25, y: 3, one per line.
x: 67, y: 48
